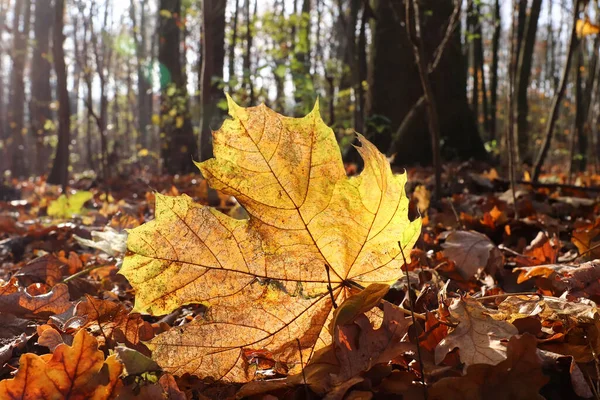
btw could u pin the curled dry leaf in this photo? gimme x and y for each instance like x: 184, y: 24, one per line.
x: 71, y: 372
x: 478, y: 336
x: 110, y: 241
x: 519, y: 377
x: 581, y: 280
x: 265, y: 278
x: 17, y: 301
x: 472, y: 251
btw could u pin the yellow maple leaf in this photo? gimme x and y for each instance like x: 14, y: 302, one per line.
x: 265, y: 279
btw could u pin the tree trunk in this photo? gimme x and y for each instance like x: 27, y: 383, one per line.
x: 247, y: 62
x: 232, y: 45
x: 59, y: 174
x: 549, y: 132
x: 179, y: 146
x: 578, y: 154
x: 16, y: 114
x: 213, y: 33
x: 523, y: 75
x: 41, y: 92
x: 4, y: 165
x: 300, y: 67
x: 494, y: 70
x: 394, y: 87
x: 479, y: 60
x: 359, y: 115
x: 144, y: 98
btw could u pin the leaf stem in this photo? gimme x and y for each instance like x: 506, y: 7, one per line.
x: 82, y: 272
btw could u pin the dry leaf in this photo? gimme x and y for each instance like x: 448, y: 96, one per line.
x: 471, y: 251
x: 547, y: 308
x: 587, y: 239
x: 17, y: 301
x: 114, y: 321
x: 359, y: 347
x: 358, y: 304
x: 75, y: 372
x: 519, y: 377
x: 478, y: 336
x: 265, y: 279
x: 45, y: 269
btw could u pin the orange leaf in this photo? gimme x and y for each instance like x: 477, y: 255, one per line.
x: 72, y: 372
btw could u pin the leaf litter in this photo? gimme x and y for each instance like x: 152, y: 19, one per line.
x: 294, y: 283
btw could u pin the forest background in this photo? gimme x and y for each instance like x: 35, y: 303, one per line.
x: 109, y: 87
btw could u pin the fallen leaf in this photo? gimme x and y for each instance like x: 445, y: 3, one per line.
x: 587, y: 239
x: 265, y: 278
x: 113, y: 320
x: 49, y: 337
x: 472, y: 251
x: 547, y: 308
x: 517, y: 377
x: 45, y: 269
x: 17, y: 301
x: 358, y: 304
x: 359, y: 347
x: 135, y: 363
x: 478, y: 336
x: 66, y: 207
x: 110, y: 241
x: 71, y: 372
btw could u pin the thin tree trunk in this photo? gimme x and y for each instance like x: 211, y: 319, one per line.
x: 523, y: 75
x: 213, y: 33
x: 471, y: 22
x: 479, y: 68
x: 303, y: 94
x: 16, y: 115
x: 179, y: 147
x: 60, y: 169
x: 144, y: 98
x: 494, y: 70
x: 432, y: 114
x: 541, y: 157
x: 4, y: 6
x: 232, y: 45
x: 41, y: 92
x: 577, y: 134
x: 359, y: 115
x: 247, y: 62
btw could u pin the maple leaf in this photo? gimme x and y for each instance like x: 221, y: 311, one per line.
x: 265, y: 279
x: 478, y: 336
x: 70, y: 372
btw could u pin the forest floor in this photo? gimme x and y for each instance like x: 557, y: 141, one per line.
x: 472, y: 254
